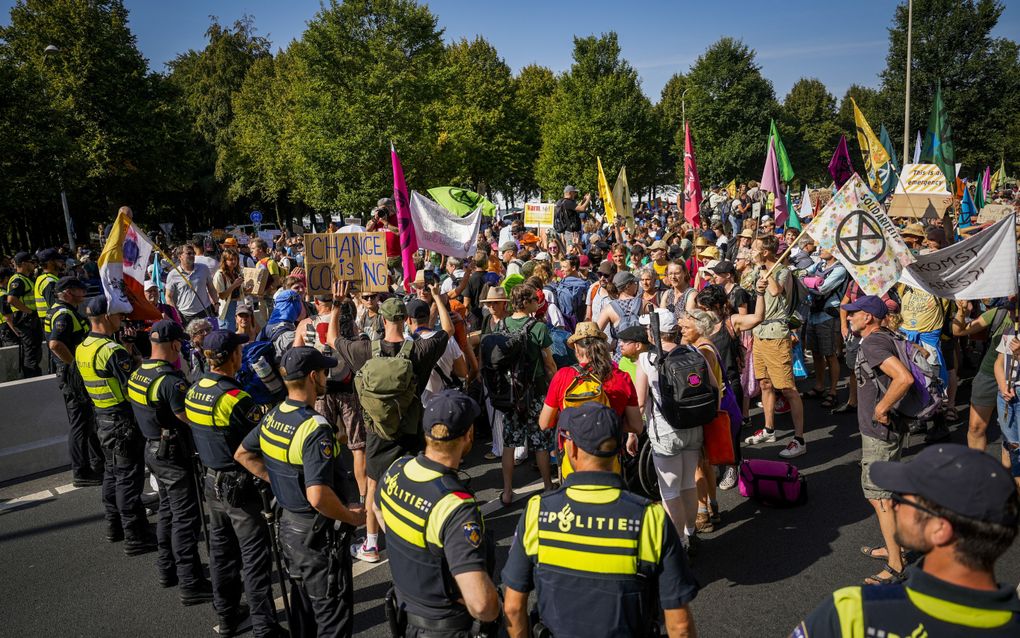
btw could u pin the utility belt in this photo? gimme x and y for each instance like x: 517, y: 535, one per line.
x: 70, y: 379
x: 539, y: 630
x: 399, y: 619
x: 116, y: 431
x: 169, y: 447
x: 236, y: 488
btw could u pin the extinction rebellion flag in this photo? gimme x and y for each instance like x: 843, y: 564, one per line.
x: 853, y: 226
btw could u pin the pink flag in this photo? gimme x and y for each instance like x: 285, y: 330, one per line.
x: 692, y: 185
x: 839, y: 166
x: 408, y: 242
x: 770, y: 182
x: 986, y: 182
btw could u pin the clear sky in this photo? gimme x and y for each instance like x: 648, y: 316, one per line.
x: 839, y: 43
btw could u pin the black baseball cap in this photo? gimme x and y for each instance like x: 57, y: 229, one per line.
x: 965, y: 481
x: 589, y: 426
x: 636, y: 333
x: 23, y: 257
x: 67, y: 283
x: 166, y: 331
x: 418, y: 310
x: 454, y: 409
x: 96, y: 307
x: 223, y: 342
x: 724, y: 268
x: 48, y: 254
x: 301, y: 360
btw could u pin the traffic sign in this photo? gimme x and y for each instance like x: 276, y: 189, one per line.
x: 256, y: 217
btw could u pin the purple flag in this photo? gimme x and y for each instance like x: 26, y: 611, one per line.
x: 770, y: 182
x: 839, y: 166
x: 408, y: 241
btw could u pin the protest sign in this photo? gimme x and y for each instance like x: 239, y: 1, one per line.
x: 538, y: 215
x: 443, y: 231
x: 257, y: 277
x: 920, y: 192
x: 357, y: 257
x: 978, y: 267
x: 993, y: 212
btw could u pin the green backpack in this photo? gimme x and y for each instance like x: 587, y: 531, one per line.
x: 388, y: 392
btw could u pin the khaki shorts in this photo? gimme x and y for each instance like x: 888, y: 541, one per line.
x: 773, y: 360
x: 343, y: 409
x: 874, y: 450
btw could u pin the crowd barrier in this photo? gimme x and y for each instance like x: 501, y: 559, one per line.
x: 33, y: 426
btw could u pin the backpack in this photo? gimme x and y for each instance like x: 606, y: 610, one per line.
x: 687, y: 398
x: 387, y: 388
x: 585, y: 388
x: 569, y: 297
x: 560, y: 220
x: 772, y: 483
x: 259, y: 375
x: 563, y: 354
x: 504, y: 354
x: 926, y: 396
x: 799, y: 303
x: 628, y: 316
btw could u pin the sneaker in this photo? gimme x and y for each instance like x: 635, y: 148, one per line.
x: 363, y: 552
x: 703, y: 523
x: 793, y: 449
x: 782, y: 405
x: 761, y: 436
x: 729, y: 479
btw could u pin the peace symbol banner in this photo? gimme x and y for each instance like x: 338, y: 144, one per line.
x: 853, y: 226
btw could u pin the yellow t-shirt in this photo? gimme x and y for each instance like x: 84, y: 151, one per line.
x: 660, y: 270
x: 921, y: 311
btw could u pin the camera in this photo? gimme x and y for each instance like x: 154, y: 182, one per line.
x: 382, y: 212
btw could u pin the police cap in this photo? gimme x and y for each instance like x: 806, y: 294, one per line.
x: 48, y: 254
x: 69, y: 283
x: 965, y: 481
x: 166, y: 331
x: 96, y: 307
x: 299, y: 361
x: 589, y: 426
x: 223, y: 342
x: 454, y: 409
x: 23, y: 257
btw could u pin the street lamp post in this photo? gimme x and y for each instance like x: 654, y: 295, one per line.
x: 906, y: 108
x: 47, y: 52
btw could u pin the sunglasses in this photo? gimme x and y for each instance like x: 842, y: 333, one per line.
x: 369, y: 297
x: 899, y: 499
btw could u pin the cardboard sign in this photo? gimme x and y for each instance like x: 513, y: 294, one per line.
x: 994, y: 212
x: 258, y: 278
x: 538, y: 215
x: 358, y: 257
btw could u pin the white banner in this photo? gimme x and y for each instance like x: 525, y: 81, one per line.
x: 441, y: 231
x: 979, y: 267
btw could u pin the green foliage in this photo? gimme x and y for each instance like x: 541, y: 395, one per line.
x: 729, y: 106
x: 598, y: 109
x: 533, y: 91
x: 807, y: 125
x: 671, y: 129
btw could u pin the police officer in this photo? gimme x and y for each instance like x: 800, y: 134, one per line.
x: 27, y: 328
x: 596, y: 553
x: 65, y: 329
x: 295, y: 449
x: 959, y: 508
x: 437, y: 548
x: 221, y: 414
x: 156, y: 391
x: 7, y: 337
x: 105, y: 367
x: 44, y: 289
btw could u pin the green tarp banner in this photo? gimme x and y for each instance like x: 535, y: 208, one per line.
x: 461, y: 201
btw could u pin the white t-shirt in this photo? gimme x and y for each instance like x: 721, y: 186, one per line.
x: 505, y: 234
x: 451, y: 354
x: 211, y: 263
x: 663, y: 438
x: 449, y: 283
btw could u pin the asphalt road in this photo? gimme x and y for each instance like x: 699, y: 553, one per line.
x: 760, y: 572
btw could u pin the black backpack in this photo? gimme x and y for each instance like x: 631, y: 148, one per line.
x: 559, y: 217
x: 688, y: 399
x: 504, y: 355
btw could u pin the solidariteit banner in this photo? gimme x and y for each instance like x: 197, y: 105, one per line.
x: 976, y: 268
x: 441, y: 231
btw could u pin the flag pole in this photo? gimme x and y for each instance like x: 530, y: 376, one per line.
x: 786, y: 252
x: 906, y: 106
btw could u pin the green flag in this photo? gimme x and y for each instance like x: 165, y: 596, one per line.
x: 938, y: 140
x: 785, y: 167
x: 461, y: 201
x: 793, y: 221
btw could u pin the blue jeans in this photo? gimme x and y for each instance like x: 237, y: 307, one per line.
x: 737, y: 225
x: 931, y: 338
x: 1009, y: 423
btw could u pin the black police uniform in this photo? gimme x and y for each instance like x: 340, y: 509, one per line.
x: 27, y: 324
x: 157, y: 392
x: 434, y: 531
x: 299, y: 448
x: 105, y: 367
x: 921, y: 606
x: 221, y: 415
x: 66, y: 325
x: 596, y: 555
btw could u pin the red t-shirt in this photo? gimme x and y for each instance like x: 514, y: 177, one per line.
x: 619, y: 388
x: 392, y: 238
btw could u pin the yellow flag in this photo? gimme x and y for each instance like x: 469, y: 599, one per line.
x: 606, y: 195
x: 621, y: 199
x: 875, y: 155
x: 731, y: 188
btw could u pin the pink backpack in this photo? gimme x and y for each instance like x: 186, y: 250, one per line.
x: 774, y: 483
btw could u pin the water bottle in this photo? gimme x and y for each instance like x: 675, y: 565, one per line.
x: 268, y: 376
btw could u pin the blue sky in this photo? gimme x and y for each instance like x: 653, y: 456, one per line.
x: 838, y: 43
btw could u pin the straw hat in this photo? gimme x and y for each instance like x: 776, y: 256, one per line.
x: 746, y: 232
x: 913, y: 230
x: 230, y: 242
x: 586, y: 330
x: 496, y: 294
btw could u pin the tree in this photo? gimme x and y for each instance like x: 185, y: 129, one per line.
x: 598, y: 109
x: 372, y: 74
x: 807, y: 125
x: 953, y: 44
x: 670, y: 112
x: 729, y: 105
x: 533, y: 91
x: 874, y: 107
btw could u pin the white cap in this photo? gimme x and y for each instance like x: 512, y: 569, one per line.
x: 712, y: 264
x: 542, y: 257
x: 149, y: 284
x: 765, y: 218
x: 667, y: 320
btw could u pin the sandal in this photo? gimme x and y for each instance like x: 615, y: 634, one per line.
x: 505, y: 503
x: 870, y: 552
x: 952, y: 416
x: 829, y: 401
x: 813, y: 393
x: 846, y: 407
x: 893, y: 577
